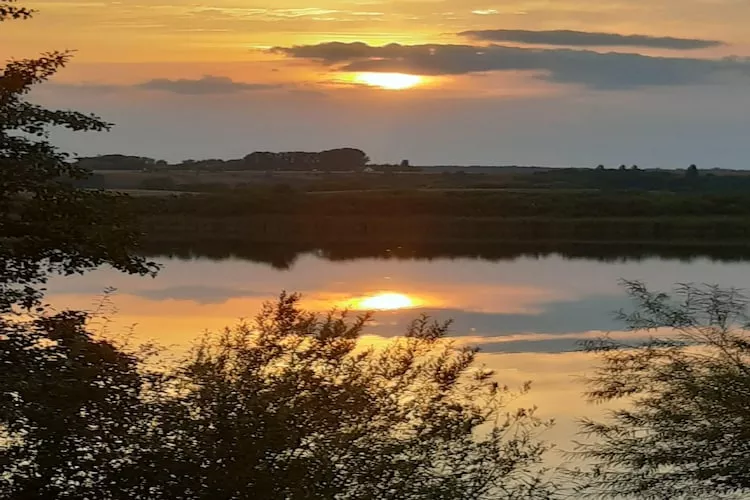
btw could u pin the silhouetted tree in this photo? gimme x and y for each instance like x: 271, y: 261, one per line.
x: 600, y: 167
x: 685, y: 431
x: 343, y: 159
x: 117, y: 162
x: 623, y: 167
x: 47, y: 224
x: 73, y: 418
x: 292, y: 407
x: 292, y: 397
x: 330, y: 160
x: 691, y: 172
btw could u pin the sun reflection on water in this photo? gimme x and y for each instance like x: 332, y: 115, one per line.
x: 384, y: 301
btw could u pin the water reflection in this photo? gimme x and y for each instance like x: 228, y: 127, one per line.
x: 284, y: 255
x: 527, y: 314
x: 383, y: 301
x: 523, y: 305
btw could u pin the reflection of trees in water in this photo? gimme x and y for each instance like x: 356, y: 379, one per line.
x: 434, y: 236
x: 283, y: 255
x: 278, y: 256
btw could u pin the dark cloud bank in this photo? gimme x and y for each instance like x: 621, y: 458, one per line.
x: 202, y: 86
x: 598, y: 70
x: 588, y: 39
x: 206, y: 85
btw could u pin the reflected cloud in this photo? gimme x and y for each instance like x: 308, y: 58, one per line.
x: 529, y: 305
x: 553, y: 342
x: 571, y: 317
x: 199, y: 294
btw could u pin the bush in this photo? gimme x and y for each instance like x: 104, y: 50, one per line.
x: 289, y: 407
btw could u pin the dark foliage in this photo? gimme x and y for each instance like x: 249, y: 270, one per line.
x: 120, y: 162
x: 472, y: 203
x: 342, y: 159
x: 290, y: 406
x: 685, y: 432
x: 47, y: 225
x: 73, y: 422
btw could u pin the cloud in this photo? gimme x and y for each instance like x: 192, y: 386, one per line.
x: 588, y: 39
x: 206, y: 85
x: 245, y: 12
x: 604, y: 71
x: 202, y: 86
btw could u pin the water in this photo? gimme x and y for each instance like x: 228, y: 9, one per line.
x: 528, y: 315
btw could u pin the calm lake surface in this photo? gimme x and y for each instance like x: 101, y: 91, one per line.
x: 527, y: 314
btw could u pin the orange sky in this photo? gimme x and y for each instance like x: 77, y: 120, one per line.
x: 194, y: 36
x: 154, y: 67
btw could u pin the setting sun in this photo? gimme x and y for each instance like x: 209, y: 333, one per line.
x: 385, y: 302
x: 389, y: 81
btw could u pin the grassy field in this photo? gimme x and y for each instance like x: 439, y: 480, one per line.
x: 428, y: 230
x: 509, y: 203
x: 456, y: 179
x: 439, y: 210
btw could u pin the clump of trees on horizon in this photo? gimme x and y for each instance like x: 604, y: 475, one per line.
x: 341, y: 159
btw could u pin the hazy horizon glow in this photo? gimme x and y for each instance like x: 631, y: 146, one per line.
x: 574, y: 82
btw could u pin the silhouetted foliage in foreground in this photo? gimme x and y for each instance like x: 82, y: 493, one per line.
x: 686, y: 430
x: 47, y: 225
x: 291, y: 406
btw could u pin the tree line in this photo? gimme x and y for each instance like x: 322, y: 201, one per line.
x: 341, y: 159
x: 690, y: 179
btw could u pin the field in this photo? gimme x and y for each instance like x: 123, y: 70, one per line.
x: 539, y: 209
x: 197, y: 181
x: 429, y: 178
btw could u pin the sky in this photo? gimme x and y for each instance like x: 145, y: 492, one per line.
x: 658, y: 83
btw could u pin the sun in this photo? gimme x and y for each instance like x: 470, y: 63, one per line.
x: 385, y: 302
x: 388, y: 81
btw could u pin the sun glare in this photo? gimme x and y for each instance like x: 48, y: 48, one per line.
x: 389, y: 81
x: 385, y: 302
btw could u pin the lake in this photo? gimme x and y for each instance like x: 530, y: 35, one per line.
x: 527, y: 314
